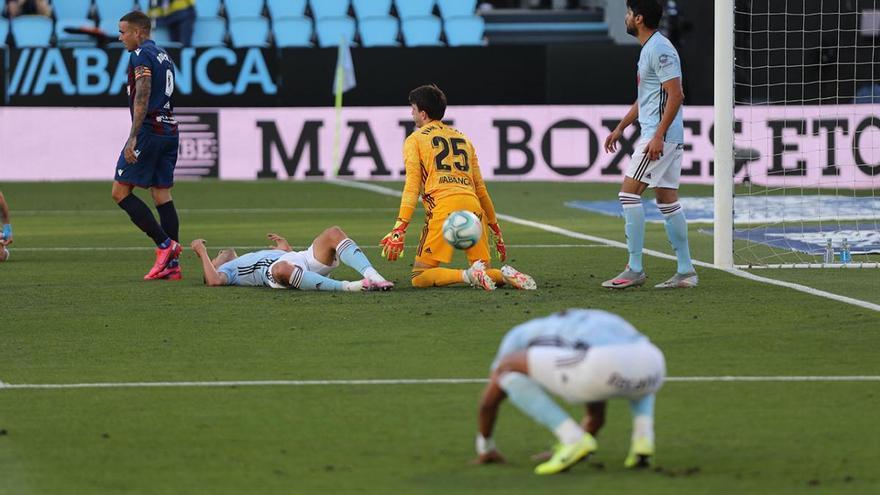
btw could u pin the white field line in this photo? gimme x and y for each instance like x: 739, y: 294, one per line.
x: 608, y: 242
x: 117, y: 211
x: 403, y: 381
x: 148, y: 248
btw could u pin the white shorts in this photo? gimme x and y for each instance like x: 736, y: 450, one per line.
x: 598, y: 373
x: 306, y: 260
x: 663, y: 172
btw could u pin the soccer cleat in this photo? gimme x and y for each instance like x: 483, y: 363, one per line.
x: 478, y: 277
x: 680, y: 281
x: 369, y: 285
x: 565, y: 456
x: 163, y: 256
x: 517, y: 279
x: 639, y: 454
x: 627, y: 278
x: 169, y: 273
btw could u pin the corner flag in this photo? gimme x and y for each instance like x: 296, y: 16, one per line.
x: 344, y: 79
x: 343, y: 82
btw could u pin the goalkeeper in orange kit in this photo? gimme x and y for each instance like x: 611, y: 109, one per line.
x: 441, y: 166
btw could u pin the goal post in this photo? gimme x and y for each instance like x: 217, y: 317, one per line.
x: 723, y: 137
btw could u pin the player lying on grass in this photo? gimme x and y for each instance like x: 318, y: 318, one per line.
x: 280, y: 267
x: 585, y: 357
x: 441, y: 166
x: 6, y: 234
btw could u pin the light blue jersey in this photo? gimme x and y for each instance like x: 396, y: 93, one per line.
x: 658, y: 63
x: 572, y: 328
x: 252, y: 269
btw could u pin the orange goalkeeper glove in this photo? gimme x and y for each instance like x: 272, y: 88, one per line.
x: 392, y: 244
x: 500, y: 248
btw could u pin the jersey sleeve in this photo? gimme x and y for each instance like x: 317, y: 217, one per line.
x: 413, y: 184
x: 139, y: 58
x: 230, y: 271
x: 665, y: 63
x: 481, y: 191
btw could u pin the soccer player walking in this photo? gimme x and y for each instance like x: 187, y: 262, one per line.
x: 441, y: 165
x: 150, y: 153
x: 656, y: 162
x: 586, y: 357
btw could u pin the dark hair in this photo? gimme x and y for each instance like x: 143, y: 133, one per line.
x: 650, y: 10
x: 429, y: 99
x: 138, y: 20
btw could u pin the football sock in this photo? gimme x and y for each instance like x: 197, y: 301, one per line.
x: 643, y: 417
x: 304, y: 280
x: 141, y: 216
x: 569, y: 432
x: 350, y: 254
x: 634, y: 214
x: 495, y: 275
x: 531, y: 399
x: 438, y: 277
x: 169, y: 220
x: 677, y: 231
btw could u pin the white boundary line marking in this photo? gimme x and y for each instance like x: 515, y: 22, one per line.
x: 405, y: 381
x: 147, y: 248
x: 608, y: 242
x: 210, y: 210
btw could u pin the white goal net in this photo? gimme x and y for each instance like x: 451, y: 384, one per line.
x: 806, y: 133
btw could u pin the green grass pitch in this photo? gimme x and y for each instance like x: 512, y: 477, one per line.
x: 69, y: 314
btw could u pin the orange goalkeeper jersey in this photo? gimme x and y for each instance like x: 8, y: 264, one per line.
x: 441, y: 162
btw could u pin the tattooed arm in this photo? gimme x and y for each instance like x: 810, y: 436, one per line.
x: 143, y: 86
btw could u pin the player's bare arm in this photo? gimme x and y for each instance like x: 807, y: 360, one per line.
x: 143, y: 85
x: 213, y: 278
x: 675, y: 97
x: 279, y: 242
x: 490, y: 401
x: 628, y: 119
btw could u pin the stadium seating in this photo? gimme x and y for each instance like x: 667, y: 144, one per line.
x: 329, y: 8
x: 247, y: 32
x: 379, y: 31
x: 414, y: 8
x: 371, y: 8
x: 142, y: 5
x: 4, y: 31
x: 31, y: 31
x: 331, y: 29
x: 207, y: 8
x: 112, y: 9
x: 163, y: 38
x: 243, y: 8
x: 110, y: 26
x: 292, y: 31
x: 421, y: 31
x: 461, y: 31
x: 71, y: 39
x: 209, y: 31
x: 72, y: 9
x: 286, y: 8
x: 456, y: 8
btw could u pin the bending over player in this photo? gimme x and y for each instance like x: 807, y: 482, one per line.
x: 441, y: 165
x: 280, y: 267
x: 586, y: 357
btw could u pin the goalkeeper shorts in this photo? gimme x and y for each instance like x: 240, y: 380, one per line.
x: 433, y: 248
